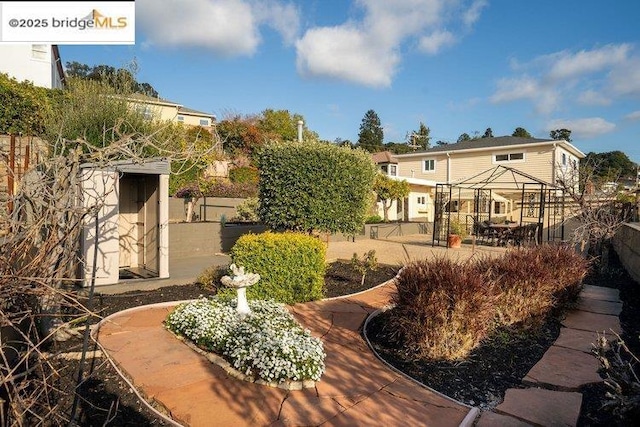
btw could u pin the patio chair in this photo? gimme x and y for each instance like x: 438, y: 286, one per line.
x: 524, y: 235
x: 484, y: 232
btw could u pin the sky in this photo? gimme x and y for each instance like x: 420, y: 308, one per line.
x: 458, y: 66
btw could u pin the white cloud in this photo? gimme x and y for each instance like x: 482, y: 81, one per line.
x: 567, y: 65
x: 594, y: 77
x: 432, y: 43
x: 472, y: 15
x: 583, y: 128
x: 592, y: 97
x: 368, y: 51
x: 284, y: 18
x: 511, y: 89
x: 464, y: 105
x: 634, y: 116
x: 626, y: 80
x: 345, y: 53
x: 226, y: 27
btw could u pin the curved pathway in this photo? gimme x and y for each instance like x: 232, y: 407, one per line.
x: 356, y: 389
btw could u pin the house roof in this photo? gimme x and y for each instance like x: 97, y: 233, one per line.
x: 383, y: 157
x: 140, y: 97
x: 58, y: 61
x: 496, y: 142
x: 146, y: 99
x: 185, y: 110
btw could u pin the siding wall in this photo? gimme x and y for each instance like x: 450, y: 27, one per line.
x: 538, y: 163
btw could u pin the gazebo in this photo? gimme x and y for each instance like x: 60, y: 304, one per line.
x: 500, y: 195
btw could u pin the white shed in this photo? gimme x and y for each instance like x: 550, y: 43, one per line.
x: 132, y: 221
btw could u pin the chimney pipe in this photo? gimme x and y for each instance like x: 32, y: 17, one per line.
x: 300, y: 123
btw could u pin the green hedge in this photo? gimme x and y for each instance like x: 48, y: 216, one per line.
x: 314, y: 187
x: 291, y: 265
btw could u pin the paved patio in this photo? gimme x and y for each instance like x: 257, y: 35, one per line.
x: 357, y: 388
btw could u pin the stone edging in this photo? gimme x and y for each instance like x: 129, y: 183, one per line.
x: 164, y: 414
x: 233, y: 372
x: 473, y: 413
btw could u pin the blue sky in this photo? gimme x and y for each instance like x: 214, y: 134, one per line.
x: 456, y: 65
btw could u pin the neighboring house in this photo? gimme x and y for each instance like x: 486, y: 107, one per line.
x: 162, y: 109
x: 38, y: 63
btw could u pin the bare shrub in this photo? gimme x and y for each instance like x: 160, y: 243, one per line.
x: 444, y: 309
x: 532, y: 281
x: 619, y: 366
x: 39, y: 254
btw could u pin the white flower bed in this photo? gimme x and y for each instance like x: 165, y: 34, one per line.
x: 268, y: 343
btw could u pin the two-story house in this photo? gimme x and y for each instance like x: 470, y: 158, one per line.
x: 38, y: 63
x: 542, y: 159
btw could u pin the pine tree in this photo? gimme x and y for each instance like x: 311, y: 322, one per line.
x: 371, y: 135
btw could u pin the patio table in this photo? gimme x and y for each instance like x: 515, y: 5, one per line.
x: 503, y: 232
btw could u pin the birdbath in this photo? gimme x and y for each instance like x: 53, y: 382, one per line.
x: 240, y: 281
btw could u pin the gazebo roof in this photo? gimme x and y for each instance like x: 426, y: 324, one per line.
x: 502, y: 177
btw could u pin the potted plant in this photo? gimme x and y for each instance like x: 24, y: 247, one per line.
x: 457, y: 231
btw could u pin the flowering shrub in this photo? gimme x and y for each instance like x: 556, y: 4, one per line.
x: 267, y: 343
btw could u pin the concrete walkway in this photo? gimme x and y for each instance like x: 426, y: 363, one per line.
x: 357, y: 388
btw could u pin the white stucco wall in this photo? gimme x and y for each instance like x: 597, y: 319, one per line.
x: 33, y: 62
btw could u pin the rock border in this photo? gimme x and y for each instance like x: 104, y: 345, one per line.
x: 233, y: 372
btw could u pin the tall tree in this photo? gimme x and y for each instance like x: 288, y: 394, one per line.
x: 371, y: 135
x: 121, y: 79
x: 561, y: 134
x: 610, y: 165
x: 397, y: 147
x: 420, y: 139
x: 521, y: 133
x: 488, y: 133
x: 464, y: 137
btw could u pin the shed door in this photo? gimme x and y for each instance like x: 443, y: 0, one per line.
x: 130, y: 221
x: 151, y: 207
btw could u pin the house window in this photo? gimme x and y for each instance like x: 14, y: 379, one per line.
x: 39, y: 51
x: 510, y: 157
x: 181, y: 118
x: 145, y: 110
x: 422, y: 200
x: 204, y: 122
x: 393, y: 170
x: 452, y: 206
x: 429, y: 165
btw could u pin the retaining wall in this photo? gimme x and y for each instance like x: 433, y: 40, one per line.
x: 188, y: 239
x: 626, y: 242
